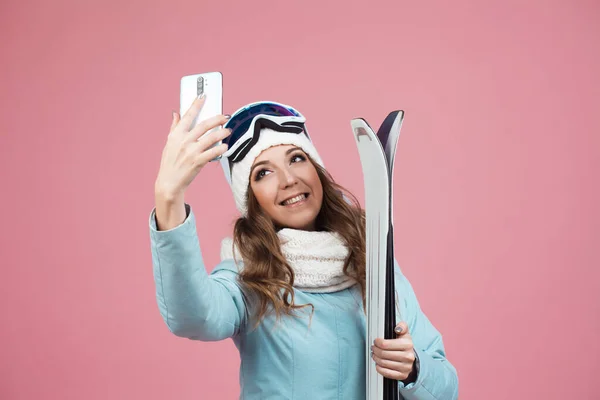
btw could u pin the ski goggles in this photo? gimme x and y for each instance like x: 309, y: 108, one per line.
x: 246, y: 123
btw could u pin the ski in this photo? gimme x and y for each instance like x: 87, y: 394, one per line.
x: 377, y: 153
x: 388, y: 134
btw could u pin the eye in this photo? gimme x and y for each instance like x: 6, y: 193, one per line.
x: 298, y: 156
x: 260, y: 174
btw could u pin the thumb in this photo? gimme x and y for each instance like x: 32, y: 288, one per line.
x: 401, y: 328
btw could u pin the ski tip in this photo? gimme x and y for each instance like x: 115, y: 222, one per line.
x: 360, y: 123
x: 360, y: 128
x: 396, y: 114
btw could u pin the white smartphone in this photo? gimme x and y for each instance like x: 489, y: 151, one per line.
x: 192, y: 86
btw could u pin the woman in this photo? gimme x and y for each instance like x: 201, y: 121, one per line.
x: 290, y: 289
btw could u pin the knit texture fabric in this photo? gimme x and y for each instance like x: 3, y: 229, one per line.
x: 317, y: 259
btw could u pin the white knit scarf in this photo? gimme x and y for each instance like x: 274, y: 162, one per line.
x: 317, y: 259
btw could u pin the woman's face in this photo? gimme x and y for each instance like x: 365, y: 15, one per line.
x: 287, y: 187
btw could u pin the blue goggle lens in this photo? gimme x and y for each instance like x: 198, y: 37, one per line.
x: 240, y: 122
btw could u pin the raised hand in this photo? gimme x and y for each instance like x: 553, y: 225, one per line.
x: 185, y: 153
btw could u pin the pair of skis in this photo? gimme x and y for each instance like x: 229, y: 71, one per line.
x: 377, y: 152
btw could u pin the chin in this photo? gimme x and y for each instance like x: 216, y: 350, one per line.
x: 303, y: 221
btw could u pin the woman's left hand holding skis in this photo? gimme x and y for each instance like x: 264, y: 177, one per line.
x: 395, y: 358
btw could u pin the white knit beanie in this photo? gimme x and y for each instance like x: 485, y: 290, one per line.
x: 240, y: 173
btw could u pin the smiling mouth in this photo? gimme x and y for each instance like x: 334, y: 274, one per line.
x: 295, y: 200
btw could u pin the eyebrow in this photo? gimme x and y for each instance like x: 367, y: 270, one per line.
x: 267, y: 161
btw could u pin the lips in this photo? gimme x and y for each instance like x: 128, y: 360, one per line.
x: 294, y: 199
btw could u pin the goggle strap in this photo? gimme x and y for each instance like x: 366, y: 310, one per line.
x: 260, y: 123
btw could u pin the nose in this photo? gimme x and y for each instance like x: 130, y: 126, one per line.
x: 287, y: 178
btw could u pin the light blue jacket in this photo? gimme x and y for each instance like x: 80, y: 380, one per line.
x: 287, y: 361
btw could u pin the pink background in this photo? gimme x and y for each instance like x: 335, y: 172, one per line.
x: 496, y: 183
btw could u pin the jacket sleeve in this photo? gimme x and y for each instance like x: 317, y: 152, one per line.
x: 437, y: 378
x: 193, y: 303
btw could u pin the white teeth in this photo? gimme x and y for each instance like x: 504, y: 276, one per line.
x: 294, y: 200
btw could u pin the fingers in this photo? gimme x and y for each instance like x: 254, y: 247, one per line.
x: 174, y: 121
x: 192, y: 112
x: 390, y: 364
x: 393, y: 364
x: 206, y: 126
x: 404, y: 342
x: 404, y: 352
x: 392, y: 374
x: 210, y: 154
x: 210, y: 139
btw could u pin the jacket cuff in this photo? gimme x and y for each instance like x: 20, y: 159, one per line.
x: 187, y: 226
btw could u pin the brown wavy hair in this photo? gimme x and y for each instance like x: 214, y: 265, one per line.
x: 266, y: 274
